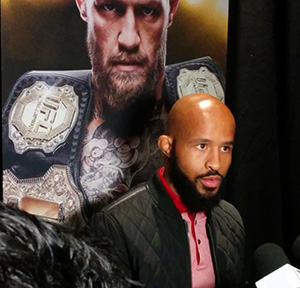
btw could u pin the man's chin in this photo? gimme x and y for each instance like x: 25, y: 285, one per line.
x: 203, y: 204
x: 123, y: 92
x: 200, y: 198
x: 208, y: 193
x: 128, y: 79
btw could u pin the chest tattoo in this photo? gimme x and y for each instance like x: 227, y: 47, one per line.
x: 111, y: 165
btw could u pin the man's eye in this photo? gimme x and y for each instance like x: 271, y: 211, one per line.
x: 201, y: 146
x: 109, y: 7
x: 226, y: 148
x: 148, y: 11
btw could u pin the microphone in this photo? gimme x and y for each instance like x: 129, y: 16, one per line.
x: 296, y: 248
x: 269, y: 257
x: 275, y: 268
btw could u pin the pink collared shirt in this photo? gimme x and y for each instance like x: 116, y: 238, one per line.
x: 203, y: 275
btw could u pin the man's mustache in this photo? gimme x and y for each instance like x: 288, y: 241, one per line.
x: 210, y: 173
x: 125, y: 57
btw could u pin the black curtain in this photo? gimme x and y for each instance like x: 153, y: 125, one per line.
x: 263, y: 92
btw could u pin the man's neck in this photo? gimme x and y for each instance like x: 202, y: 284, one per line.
x: 97, y: 104
x: 167, y: 179
x: 170, y: 189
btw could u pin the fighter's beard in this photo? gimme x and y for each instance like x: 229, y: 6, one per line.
x: 188, y: 191
x: 119, y: 89
x: 127, y: 98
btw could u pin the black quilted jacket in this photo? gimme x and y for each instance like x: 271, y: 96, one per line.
x: 152, y: 239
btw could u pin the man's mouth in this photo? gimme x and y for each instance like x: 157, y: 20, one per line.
x: 211, y: 182
x: 126, y: 66
x: 128, y: 62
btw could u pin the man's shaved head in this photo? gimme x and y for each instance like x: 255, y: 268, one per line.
x: 196, y: 107
x: 198, y: 145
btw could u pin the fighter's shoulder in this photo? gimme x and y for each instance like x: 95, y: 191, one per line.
x: 82, y: 74
x: 41, y: 81
x: 193, y: 76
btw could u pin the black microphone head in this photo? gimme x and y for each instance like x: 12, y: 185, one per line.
x: 296, y: 248
x: 269, y: 257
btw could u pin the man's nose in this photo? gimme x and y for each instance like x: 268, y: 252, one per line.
x: 213, y: 161
x: 129, y: 37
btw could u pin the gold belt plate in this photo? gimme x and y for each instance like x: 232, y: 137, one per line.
x: 42, y: 117
x: 53, y: 196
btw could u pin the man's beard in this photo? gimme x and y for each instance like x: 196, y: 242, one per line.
x: 188, y: 191
x: 120, y: 89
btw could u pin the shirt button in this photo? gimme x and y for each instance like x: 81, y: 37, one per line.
x: 199, y: 241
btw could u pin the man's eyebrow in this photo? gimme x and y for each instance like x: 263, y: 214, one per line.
x: 200, y: 140
x: 229, y: 143
x: 140, y: 2
x: 205, y: 140
x: 99, y: 2
x: 150, y: 3
x: 157, y: 2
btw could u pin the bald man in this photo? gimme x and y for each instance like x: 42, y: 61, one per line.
x: 174, y: 230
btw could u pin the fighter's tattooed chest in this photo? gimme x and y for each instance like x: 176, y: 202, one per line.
x: 111, y: 165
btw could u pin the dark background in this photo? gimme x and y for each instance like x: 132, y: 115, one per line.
x: 263, y: 92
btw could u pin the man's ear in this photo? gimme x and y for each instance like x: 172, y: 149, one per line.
x: 173, y: 8
x: 81, y: 5
x: 165, y: 144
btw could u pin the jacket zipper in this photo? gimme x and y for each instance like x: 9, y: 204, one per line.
x: 213, y: 252
x: 188, y: 241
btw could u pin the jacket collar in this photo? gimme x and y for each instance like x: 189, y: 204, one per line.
x: 161, y: 197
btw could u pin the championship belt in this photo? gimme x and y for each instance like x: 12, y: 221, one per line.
x: 43, y: 126
x: 200, y: 75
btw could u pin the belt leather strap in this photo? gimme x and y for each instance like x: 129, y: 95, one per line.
x: 43, y: 125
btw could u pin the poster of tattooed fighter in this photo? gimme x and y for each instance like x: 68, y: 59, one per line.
x: 87, y: 85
